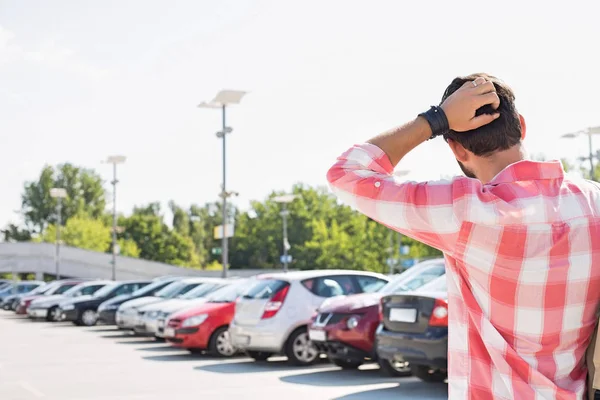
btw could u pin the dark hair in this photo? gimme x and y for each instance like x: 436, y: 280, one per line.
x: 500, y: 134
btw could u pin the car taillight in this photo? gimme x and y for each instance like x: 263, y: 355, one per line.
x: 381, y: 310
x: 439, y: 315
x: 275, y: 303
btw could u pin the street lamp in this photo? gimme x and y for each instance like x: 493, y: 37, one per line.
x: 58, y: 194
x: 284, y: 200
x: 115, y: 160
x: 589, y: 132
x: 223, y: 99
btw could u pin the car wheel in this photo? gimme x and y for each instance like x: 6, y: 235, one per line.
x: 394, y: 368
x: 52, y: 314
x: 346, y: 364
x: 89, y: 318
x: 432, y: 375
x: 220, y: 343
x: 259, y: 355
x: 300, y: 350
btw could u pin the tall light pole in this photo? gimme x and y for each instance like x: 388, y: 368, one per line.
x: 222, y: 100
x: 284, y: 201
x: 58, y: 194
x: 115, y: 160
x: 589, y: 132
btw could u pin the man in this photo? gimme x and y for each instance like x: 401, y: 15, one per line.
x: 521, y: 242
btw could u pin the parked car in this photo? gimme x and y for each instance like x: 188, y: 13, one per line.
x: 53, y: 288
x: 127, y: 313
x: 10, y: 293
x: 47, y: 307
x: 274, y: 314
x: 345, y: 326
x: 107, y: 311
x: 206, y: 326
x: 151, y: 318
x: 414, y: 329
x: 84, y: 310
x: 10, y: 302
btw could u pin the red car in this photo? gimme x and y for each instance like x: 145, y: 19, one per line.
x: 344, y: 327
x: 205, y: 327
x: 56, y: 287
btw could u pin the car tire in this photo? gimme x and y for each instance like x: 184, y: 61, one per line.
x: 389, y: 368
x: 300, y: 350
x: 88, y: 317
x: 220, y: 343
x: 159, y: 339
x: 50, y: 317
x: 259, y: 355
x: 431, y: 375
x: 195, y: 351
x: 346, y: 364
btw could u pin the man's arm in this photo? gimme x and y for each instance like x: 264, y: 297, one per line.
x: 363, y: 176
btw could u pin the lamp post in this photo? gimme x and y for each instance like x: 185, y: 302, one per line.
x: 589, y: 132
x: 115, y: 160
x: 222, y: 100
x: 58, y: 194
x: 284, y: 201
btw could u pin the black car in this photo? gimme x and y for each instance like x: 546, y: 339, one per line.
x: 107, y: 311
x: 414, y: 330
x: 47, y: 306
x: 84, y: 311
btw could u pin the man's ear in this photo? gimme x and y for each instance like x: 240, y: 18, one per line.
x: 523, y: 127
x: 460, y: 153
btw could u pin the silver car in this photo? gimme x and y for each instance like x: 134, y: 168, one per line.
x: 128, y: 312
x: 151, y: 317
x: 273, y: 315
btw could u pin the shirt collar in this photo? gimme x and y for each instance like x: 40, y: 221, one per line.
x: 527, y: 170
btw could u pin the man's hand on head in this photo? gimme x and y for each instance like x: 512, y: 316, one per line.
x: 461, y: 106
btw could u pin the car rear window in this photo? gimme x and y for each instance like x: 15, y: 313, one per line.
x: 264, y: 289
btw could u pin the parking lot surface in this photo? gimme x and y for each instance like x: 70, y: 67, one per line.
x: 59, y: 361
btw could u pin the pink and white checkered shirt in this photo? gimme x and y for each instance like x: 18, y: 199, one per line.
x: 523, y: 260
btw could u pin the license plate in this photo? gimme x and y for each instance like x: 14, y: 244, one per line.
x: 317, y: 336
x: 403, y: 315
x: 242, y: 340
x: 169, y: 332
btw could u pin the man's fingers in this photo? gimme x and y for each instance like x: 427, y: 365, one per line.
x: 490, y: 98
x: 483, y: 119
x: 485, y: 88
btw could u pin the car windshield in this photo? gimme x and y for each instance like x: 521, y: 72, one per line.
x: 175, y: 288
x: 436, y: 285
x: 43, y: 288
x: 105, y: 290
x: 415, y: 277
x: 150, y: 288
x: 201, y: 291
x: 62, y: 289
x: 229, y: 293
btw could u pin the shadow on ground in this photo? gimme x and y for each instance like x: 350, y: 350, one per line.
x: 409, y: 390
x: 115, y: 330
x: 161, y: 348
x: 181, y: 357
x: 340, y: 377
x: 256, y: 367
x: 135, y: 342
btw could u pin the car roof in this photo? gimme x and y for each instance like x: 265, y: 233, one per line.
x: 102, y: 282
x: 317, y: 273
x: 203, y: 280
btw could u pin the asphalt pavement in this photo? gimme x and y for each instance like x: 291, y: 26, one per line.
x: 59, y: 361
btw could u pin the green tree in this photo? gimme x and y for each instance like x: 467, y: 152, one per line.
x: 82, y: 232
x: 85, y: 195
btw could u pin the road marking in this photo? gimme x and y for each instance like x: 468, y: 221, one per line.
x: 33, y: 391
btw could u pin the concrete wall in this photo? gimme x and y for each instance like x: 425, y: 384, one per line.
x: 39, y: 258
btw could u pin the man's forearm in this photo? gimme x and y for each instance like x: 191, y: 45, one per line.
x: 397, y: 142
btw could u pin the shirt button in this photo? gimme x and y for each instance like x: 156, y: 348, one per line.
x: 377, y: 184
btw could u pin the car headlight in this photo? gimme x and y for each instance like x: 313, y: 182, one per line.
x: 152, y: 314
x: 352, y: 322
x: 67, y: 307
x: 193, y: 321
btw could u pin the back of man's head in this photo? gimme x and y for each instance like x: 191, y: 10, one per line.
x: 500, y: 134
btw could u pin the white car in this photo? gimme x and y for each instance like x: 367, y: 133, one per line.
x: 127, y: 313
x: 273, y: 315
x: 151, y: 318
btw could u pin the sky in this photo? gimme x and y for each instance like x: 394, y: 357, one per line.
x: 82, y: 80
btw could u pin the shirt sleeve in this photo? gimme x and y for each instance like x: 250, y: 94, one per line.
x: 363, y: 178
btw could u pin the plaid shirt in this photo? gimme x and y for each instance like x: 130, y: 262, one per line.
x: 523, y: 268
